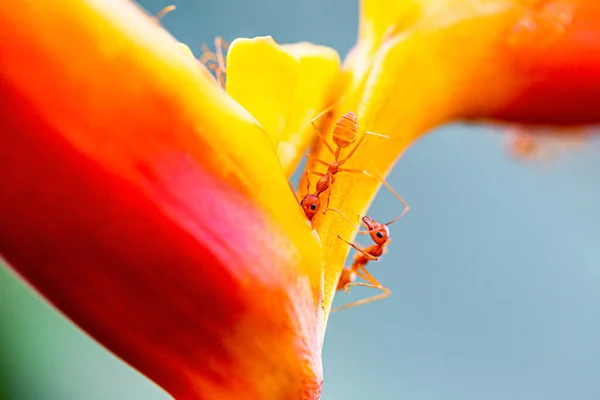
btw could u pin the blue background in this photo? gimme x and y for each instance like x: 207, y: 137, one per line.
x: 494, y: 273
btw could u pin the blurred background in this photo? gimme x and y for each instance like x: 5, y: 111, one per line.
x: 495, y: 272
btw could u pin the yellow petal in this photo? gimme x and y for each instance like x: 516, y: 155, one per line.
x: 262, y: 77
x: 319, y: 68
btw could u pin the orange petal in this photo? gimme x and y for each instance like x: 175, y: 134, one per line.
x: 549, y: 66
x: 517, y: 60
x: 150, y: 208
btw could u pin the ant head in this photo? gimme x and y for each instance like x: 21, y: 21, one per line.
x: 380, y: 233
x: 310, y: 205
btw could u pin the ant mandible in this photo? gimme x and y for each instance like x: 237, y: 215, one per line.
x: 380, y: 234
x: 216, y: 60
x: 345, y: 133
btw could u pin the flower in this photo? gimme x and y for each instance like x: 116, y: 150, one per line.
x: 152, y: 208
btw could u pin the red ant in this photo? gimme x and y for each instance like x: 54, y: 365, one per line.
x: 380, y: 234
x: 345, y: 133
x: 216, y: 60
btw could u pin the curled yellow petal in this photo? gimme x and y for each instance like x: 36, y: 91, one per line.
x: 319, y: 67
x: 284, y: 87
x: 262, y: 77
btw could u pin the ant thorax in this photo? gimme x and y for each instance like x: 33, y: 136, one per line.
x: 334, y: 167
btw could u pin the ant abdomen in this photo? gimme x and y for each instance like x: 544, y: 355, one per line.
x: 345, y: 130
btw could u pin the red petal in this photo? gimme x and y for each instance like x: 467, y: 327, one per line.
x: 128, y: 203
x: 557, y: 82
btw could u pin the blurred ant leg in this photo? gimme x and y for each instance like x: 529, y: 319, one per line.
x: 207, y: 55
x: 221, y: 45
x: 382, y: 296
x: 164, y: 12
x: 387, y: 185
x: 351, y: 153
x: 293, y: 191
x: 357, y: 227
x: 215, y: 60
x: 355, y: 247
x: 378, y: 135
x: 323, y: 139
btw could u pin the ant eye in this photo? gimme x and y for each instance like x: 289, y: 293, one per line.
x: 380, y: 235
x: 313, y: 207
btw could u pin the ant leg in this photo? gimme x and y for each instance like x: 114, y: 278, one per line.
x: 373, y: 283
x: 222, y: 43
x: 219, y: 46
x: 313, y: 158
x: 323, y: 138
x: 347, y: 286
x: 351, y: 153
x: 386, y: 293
x: 357, y: 227
x: 327, y: 203
x: 215, y: 60
x: 378, y: 135
x: 207, y: 55
x: 355, y: 247
x: 314, y: 173
x: 321, y: 135
x: 164, y: 12
x: 293, y: 191
x: 325, y: 111
x: 307, y: 177
x: 387, y: 185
